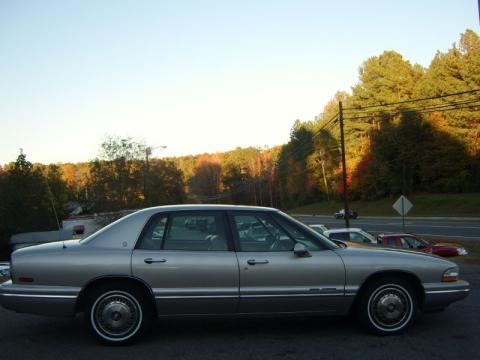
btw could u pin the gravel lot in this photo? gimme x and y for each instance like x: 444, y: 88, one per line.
x: 451, y: 334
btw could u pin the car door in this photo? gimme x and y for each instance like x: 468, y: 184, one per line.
x: 187, y: 259
x: 273, y: 278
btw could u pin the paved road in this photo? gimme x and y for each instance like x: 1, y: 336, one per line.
x: 450, y: 229
x: 452, y: 334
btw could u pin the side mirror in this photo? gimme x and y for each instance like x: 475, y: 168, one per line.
x: 301, y: 251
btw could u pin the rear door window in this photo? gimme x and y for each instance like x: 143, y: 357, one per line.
x: 152, y: 236
x: 199, y: 231
x: 189, y: 231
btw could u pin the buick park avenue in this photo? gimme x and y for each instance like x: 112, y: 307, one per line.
x: 222, y: 260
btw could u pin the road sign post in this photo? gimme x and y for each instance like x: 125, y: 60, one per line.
x: 403, y: 206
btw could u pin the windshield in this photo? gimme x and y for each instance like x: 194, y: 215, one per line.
x: 368, y: 235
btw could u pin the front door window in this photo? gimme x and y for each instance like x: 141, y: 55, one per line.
x: 259, y: 233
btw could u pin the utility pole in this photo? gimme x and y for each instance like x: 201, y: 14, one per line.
x: 50, y: 195
x: 344, y: 167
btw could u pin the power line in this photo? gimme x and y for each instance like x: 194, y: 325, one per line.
x: 451, y: 108
x: 412, y: 100
x: 422, y: 109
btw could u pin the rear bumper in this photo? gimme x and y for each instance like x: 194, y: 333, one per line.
x: 440, y: 295
x: 38, y: 299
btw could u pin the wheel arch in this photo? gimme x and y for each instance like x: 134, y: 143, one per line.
x: 132, y: 281
x: 402, y: 274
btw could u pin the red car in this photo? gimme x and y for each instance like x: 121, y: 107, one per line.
x: 410, y: 241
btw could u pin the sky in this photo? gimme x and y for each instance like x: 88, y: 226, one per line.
x: 195, y: 76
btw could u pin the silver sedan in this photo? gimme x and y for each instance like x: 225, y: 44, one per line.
x: 197, y: 260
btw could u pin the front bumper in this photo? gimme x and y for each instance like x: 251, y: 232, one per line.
x: 39, y: 299
x: 440, y: 295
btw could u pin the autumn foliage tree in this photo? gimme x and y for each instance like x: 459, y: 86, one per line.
x: 27, y: 198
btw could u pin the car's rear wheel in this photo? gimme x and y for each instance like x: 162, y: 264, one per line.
x: 388, y: 306
x: 117, y: 315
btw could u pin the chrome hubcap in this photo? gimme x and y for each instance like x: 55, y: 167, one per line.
x: 116, y: 315
x: 390, y: 307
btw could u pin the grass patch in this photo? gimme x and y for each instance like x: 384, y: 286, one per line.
x: 465, y: 205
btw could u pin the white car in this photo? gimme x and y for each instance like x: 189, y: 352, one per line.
x: 356, y: 235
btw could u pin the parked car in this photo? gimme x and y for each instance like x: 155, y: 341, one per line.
x: 319, y: 227
x: 355, y: 235
x: 411, y: 241
x: 4, y: 271
x: 151, y: 263
x: 340, y: 214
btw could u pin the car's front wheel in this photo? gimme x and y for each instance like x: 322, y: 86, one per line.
x: 117, y: 315
x: 388, y: 306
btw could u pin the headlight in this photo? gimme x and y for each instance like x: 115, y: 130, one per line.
x: 451, y: 275
x: 462, y: 251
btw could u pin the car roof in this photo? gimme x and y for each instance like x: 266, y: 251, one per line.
x: 397, y: 234
x: 207, y: 207
x: 343, y: 230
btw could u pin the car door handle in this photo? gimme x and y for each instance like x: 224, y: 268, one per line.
x: 255, y: 262
x: 151, y: 261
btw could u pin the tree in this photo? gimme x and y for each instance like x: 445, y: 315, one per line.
x: 296, y: 184
x: 325, y: 160
x: 165, y: 183
x: 386, y: 78
x: 411, y: 155
x: 117, y: 177
x: 206, y: 182
x: 456, y: 70
x: 383, y: 79
x: 25, y: 200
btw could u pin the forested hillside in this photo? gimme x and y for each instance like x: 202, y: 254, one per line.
x: 393, y: 146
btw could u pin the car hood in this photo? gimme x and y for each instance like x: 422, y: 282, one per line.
x: 377, y: 250
x: 446, y: 244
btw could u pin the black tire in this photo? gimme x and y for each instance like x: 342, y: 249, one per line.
x: 117, y: 314
x: 387, y: 306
